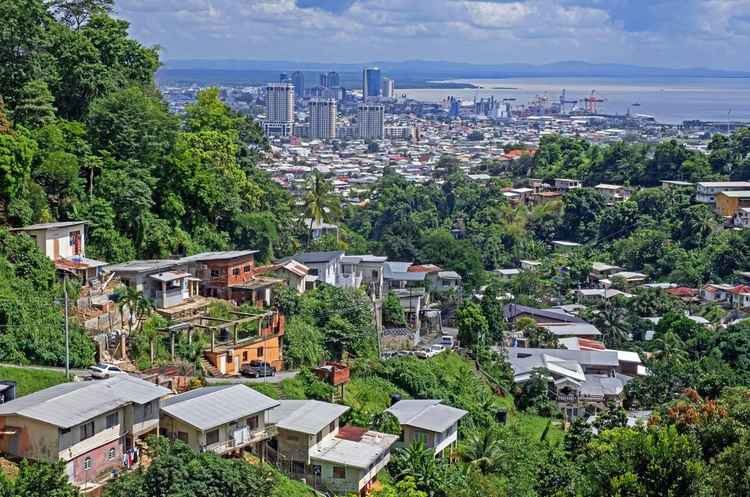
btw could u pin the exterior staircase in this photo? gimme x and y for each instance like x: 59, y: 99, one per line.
x: 210, y: 369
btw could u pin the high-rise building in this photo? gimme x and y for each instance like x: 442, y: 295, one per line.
x: 323, y: 118
x: 298, y: 80
x: 283, y: 77
x: 371, y: 82
x: 279, y: 109
x: 370, y: 121
x: 334, y: 81
x: 389, y: 88
x: 455, y: 107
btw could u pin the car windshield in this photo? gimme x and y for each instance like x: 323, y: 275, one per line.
x: 101, y: 366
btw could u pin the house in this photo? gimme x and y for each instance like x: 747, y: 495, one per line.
x: 565, y: 184
x: 428, y: 421
x: 65, y: 244
x: 717, y: 293
x: 671, y: 184
x: 292, y: 272
x: 397, y: 275
x: 513, y: 312
x: 592, y: 295
x: 528, y: 265
x: 630, y: 278
x: 230, y: 275
x: 311, y: 444
x: 324, y: 267
x: 729, y: 202
x: 221, y: 419
x: 443, y: 281
x: 601, y: 270
x: 706, y: 191
x: 612, y: 193
x: 88, y: 425
x: 741, y: 218
x: 507, y: 274
x: 164, y: 283
x: 581, y: 330
x: 542, y: 198
x: 319, y: 229
x: 563, y: 246
x: 363, y: 271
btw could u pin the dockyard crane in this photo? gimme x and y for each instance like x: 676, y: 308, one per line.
x: 564, y: 101
x: 592, y: 103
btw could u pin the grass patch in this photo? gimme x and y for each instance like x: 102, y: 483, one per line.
x: 533, y: 426
x: 291, y: 488
x: 370, y: 394
x: 29, y: 380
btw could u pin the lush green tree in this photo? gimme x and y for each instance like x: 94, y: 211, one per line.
x: 320, y: 203
x: 472, y: 326
x: 35, y: 107
x: 393, y: 313
x: 41, y: 479
x: 303, y: 343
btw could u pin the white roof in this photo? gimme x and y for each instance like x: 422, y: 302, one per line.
x: 305, y: 416
x: 49, y: 226
x: 206, y: 408
x: 430, y: 415
x: 70, y: 404
x: 359, y: 454
x: 572, y: 329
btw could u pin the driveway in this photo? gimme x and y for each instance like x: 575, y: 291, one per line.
x: 277, y: 378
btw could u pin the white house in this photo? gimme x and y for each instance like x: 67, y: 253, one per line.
x: 428, y: 421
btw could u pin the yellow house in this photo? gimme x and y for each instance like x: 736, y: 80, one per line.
x: 728, y: 203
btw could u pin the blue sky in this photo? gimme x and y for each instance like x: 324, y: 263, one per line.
x: 668, y: 33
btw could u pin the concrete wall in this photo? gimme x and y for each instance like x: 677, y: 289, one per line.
x: 34, y: 440
x: 170, y: 427
x: 297, y: 446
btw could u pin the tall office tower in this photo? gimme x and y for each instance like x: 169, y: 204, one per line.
x: 370, y: 121
x: 279, y: 109
x: 283, y: 77
x: 334, y: 81
x: 323, y: 118
x: 389, y: 88
x: 298, y: 80
x: 370, y: 82
x: 323, y: 80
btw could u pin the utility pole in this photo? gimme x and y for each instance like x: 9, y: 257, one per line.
x: 67, y: 334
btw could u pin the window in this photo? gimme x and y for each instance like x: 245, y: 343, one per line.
x: 260, y: 351
x: 420, y: 436
x: 375, y: 274
x: 247, y: 269
x: 252, y: 422
x: 244, y: 356
x: 339, y: 472
x: 332, y: 426
x: 111, y: 453
x: 319, y: 437
x: 212, y: 437
x: 214, y: 273
x: 236, y: 271
x: 87, y: 464
x: 313, y: 271
x: 182, y: 437
x: 148, y: 409
x: 87, y: 430
x: 113, y: 420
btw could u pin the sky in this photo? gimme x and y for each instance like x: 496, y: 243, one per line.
x: 664, y: 33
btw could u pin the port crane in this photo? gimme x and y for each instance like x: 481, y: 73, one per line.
x: 592, y: 103
x: 564, y: 101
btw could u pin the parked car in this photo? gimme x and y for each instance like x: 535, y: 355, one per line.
x: 103, y: 371
x: 431, y: 351
x: 436, y: 349
x: 447, y: 341
x: 257, y: 369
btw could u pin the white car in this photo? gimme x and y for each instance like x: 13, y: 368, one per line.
x: 431, y: 351
x: 104, y: 371
x: 447, y: 341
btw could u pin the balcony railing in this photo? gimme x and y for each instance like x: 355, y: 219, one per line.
x: 246, y: 439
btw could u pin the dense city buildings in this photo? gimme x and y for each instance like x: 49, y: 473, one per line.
x: 334, y: 80
x: 370, y: 121
x: 298, y: 80
x: 322, y: 118
x: 389, y: 88
x: 279, y: 109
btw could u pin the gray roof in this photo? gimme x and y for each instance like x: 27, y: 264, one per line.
x: 449, y: 275
x: 70, y: 404
x: 572, y: 329
x: 206, y: 408
x: 392, y: 267
x: 305, y: 416
x: 583, y: 357
x: 169, y: 276
x: 513, y: 310
x: 430, y: 415
x: 358, y: 259
x: 218, y: 256
x: 47, y: 226
x: 319, y: 257
x: 142, y: 266
x: 359, y: 454
x: 600, y: 384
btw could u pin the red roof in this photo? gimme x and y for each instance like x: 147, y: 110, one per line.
x: 424, y: 268
x: 353, y: 433
x: 740, y: 289
x: 682, y: 291
x: 586, y: 344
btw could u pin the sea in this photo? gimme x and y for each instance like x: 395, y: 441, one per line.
x: 668, y: 100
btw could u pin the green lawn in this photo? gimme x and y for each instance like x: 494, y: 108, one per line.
x: 30, y: 380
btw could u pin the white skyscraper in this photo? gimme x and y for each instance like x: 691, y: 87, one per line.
x: 323, y: 118
x: 389, y: 88
x: 279, y: 109
x: 370, y: 121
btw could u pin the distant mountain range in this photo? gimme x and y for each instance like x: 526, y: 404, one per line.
x: 423, y: 69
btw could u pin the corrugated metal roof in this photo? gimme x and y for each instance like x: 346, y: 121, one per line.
x: 70, y: 404
x: 218, y: 256
x: 47, y: 226
x: 359, y: 454
x: 305, y: 416
x: 430, y: 415
x: 206, y: 408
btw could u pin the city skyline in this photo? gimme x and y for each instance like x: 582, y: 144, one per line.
x: 707, y: 33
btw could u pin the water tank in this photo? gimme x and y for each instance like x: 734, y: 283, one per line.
x: 395, y: 397
x: 501, y: 416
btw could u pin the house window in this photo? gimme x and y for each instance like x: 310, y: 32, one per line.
x: 87, y: 464
x: 236, y: 271
x: 420, y: 436
x: 113, y: 420
x: 212, y: 437
x: 87, y: 430
x: 260, y: 351
x: 313, y: 271
x: 247, y: 269
x: 332, y: 426
x: 214, y: 273
x: 339, y: 472
x: 244, y: 356
x: 319, y: 437
x: 182, y: 436
x: 252, y: 422
x: 148, y: 409
x: 111, y: 453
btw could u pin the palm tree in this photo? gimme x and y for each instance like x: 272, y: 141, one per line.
x: 482, y: 449
x: 671, y: 349
x: 320, y: 202
x: 138, y: 306
x: 418, y: 461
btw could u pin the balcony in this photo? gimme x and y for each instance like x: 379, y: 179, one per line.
x: 241, y: 438
x: 349, y: 280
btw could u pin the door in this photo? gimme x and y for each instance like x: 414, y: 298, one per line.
x: 56, y: 248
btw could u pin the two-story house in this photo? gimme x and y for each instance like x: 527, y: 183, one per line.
x: 363, y: 271
x: 324, y: 267
x: 706, y: 191
x: 65, y: 244
x: 88, y: 425
x: 566, y: 184
x: 428, y: 421
x: 310, y: 443
x: 220, y: 419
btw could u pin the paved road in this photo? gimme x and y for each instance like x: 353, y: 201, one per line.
x: 77, y: 372
x: 277, y: 378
